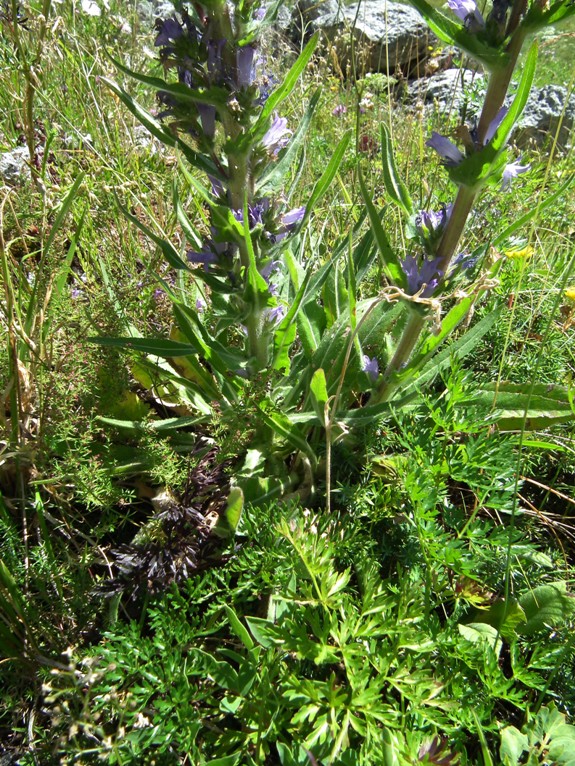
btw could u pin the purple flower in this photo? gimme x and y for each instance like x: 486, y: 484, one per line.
x: 205, y: 257
x: 446, y: 149
x: 200, y: 305
x: 429, y: 222
x: 259, y: 14
x: 467, y: 11
x: 245, y: 67
x: 277, y: 136
x: 494, y: 124
x: 168, y: 31
x: 267, y: 270
x: 274, y: 315
x: 215, y: 61
x: 208, y: 119
x: 339, y: 110
x: 256, y: 213
x: 421, y: 273
x: 371, y: 366
x: 217, y: 186
x: 512, y: 171
x: 289, y: 221
x: 293, y: 217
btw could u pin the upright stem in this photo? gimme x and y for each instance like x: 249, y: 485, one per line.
x: 464, y: 201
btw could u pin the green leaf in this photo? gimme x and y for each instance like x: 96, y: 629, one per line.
x: 228, y: 520
x: 394, y: 186
x: 311, y: 323
x: 327, y: 176
x: 319, y: 396
x: 238, y: 628
x: 264, y: 631
x: 214, y: 95
x: 547, y: 607
x: 449, y: 323
x: 515, y: 406
x: 513, y: 744
x: 286, y: 332
x: 169, y: 251
x: 199, y: 161
x: 504, y: 617
x: 391, y: 263
x: 518, y: 105
x: 454, y: 34
x: 479, y: 632
x: 157, y: 347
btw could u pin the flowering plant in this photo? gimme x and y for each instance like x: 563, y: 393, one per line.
x: 248, y: 323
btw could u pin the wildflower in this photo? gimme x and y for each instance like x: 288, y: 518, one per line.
x: 200, y: 305
x: 277, y: 137
x: 245, y: 68
x: 256, y: 213
x: 274, y: 315
x: 494, y: 124
x: 208, y: 119
x: 289, y: 222
x: 512, y: 171
x: 446, y: 149
x: 452, y: 156
x: 429, y: 222
x: 204, y: 257
x: 370, y: 365
x: 467, y: 11
x: 293, y: 217
x: 339, y: 110
x: 168, y: 31
x: 422, y: 275
x: 570, y: 293
x: 269, y: 269
x: 215, y: 60
x: 518, y: 253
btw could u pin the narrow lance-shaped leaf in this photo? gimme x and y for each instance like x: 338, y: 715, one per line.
x: 391, y: 263
x: 327, y: 176
x: 391, y: 178
x: 199, y: 161
x: 169, y: 251
x: 156, y: 347
x: 319, y: 395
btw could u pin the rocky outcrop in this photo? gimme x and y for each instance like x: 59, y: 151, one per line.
x: 376, y: 36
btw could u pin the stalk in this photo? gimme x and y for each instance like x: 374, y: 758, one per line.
x: 464, y: 201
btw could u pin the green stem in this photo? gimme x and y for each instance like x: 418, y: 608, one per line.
x: 464, y: 201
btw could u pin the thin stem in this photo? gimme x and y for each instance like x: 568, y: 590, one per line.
x: 464, y: 201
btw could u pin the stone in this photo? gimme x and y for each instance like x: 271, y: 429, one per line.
x: 14, y: 165
x: 541, y: 119
x: 446, y: 91
x: 388, y: 36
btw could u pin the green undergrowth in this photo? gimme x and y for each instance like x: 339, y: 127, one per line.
x: 428, y: 618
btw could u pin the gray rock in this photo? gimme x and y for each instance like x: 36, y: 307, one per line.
x: 446, y: 91
x: 14, y: 165
x: 541, y: 118
x: 387, y: 35
x: 305, y: 12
